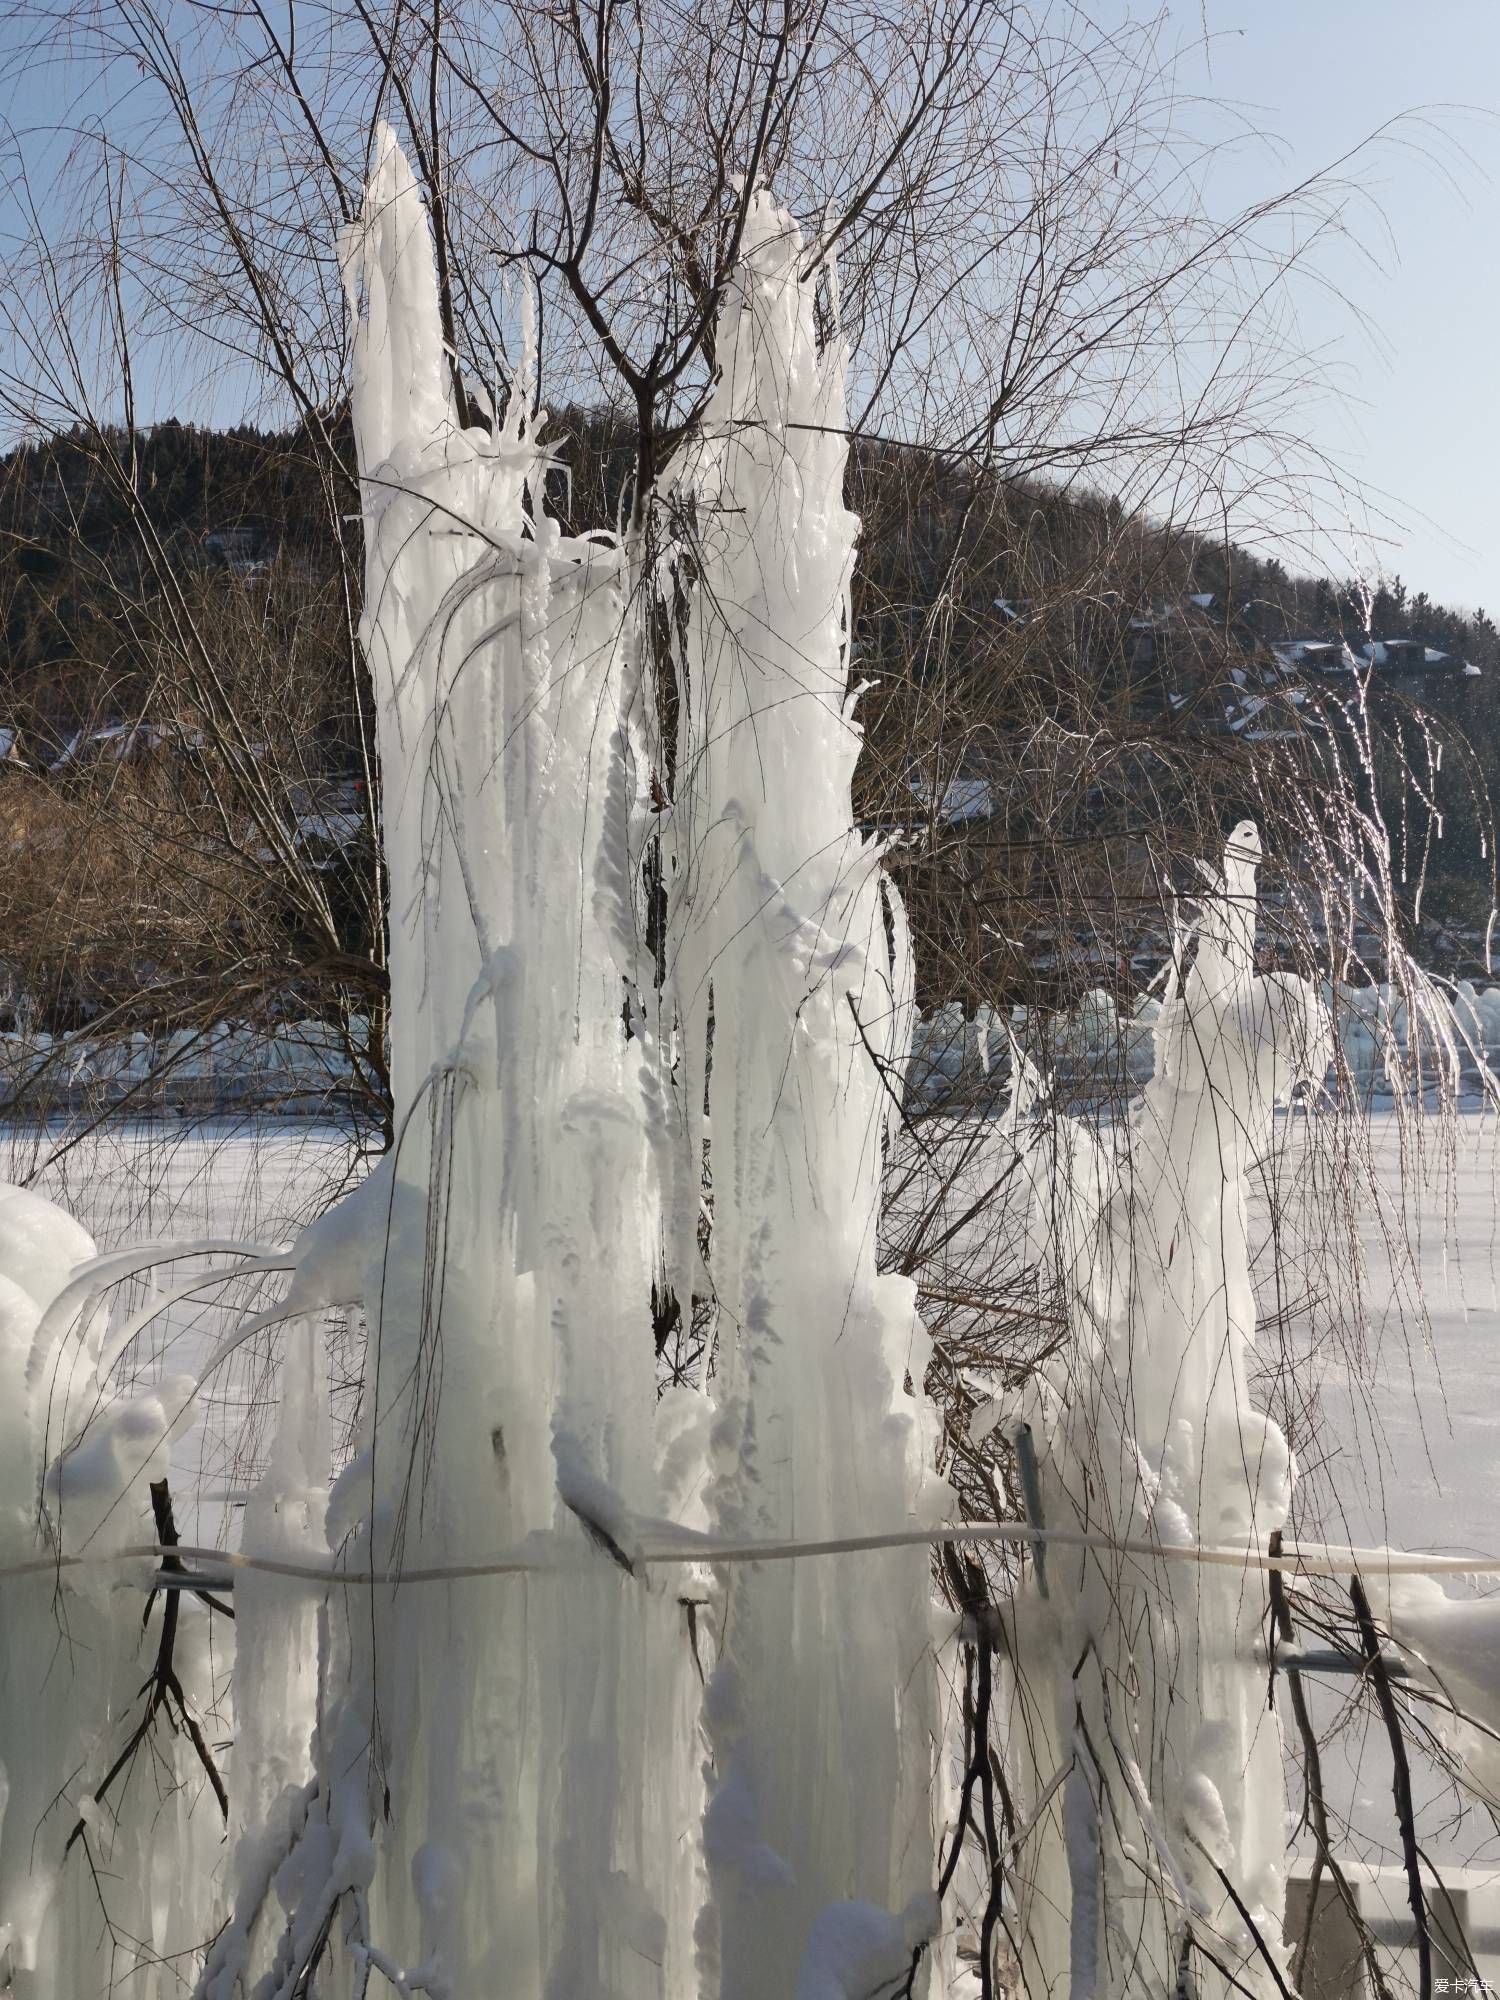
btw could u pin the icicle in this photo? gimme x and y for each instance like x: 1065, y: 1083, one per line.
x: 475, y: 1812
x: 1149, y: 1432
x: 821, y: 1712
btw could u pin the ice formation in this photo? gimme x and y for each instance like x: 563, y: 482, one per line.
x: 573, y: 1773
x: 1389, y: 1040
x: 1453, y: 1646
x: 74, y: 1465
x: 507, y: 1776
x: 479, y: 1819
x: 1134, y: 1675
x: 789, y: 968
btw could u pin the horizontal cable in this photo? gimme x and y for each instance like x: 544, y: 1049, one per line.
x: 1296, y: 1558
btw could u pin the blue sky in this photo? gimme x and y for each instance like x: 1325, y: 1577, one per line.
x: 1416, y: 416
x: 1409, y: 349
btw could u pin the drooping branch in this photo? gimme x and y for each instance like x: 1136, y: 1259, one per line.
x: 162, y: 1692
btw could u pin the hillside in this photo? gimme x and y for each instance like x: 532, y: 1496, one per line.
x: 1046, y: 677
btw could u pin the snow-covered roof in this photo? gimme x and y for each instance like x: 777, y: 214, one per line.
x: 1240, y: 713
x: 1329, y: 655
x: 1406, y: 653
x: 329, y: 829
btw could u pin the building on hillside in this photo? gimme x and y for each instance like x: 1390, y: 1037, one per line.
x: 1413, y: 656
x: 1319, y: 656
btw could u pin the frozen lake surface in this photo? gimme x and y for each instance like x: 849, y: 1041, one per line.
x: 1405, y: 1369
x: 1389, y: 1385
x: 160, y: 1177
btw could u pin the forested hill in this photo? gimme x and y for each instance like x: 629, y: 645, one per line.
x: 978, y: 607
x: 241, y: 495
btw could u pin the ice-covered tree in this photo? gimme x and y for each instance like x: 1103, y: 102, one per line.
x: 480, y: 1764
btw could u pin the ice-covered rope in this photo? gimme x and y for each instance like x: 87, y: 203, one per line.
x: 1304, y: 1558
